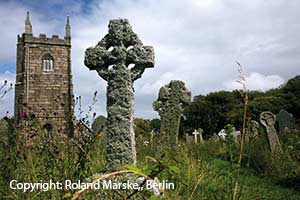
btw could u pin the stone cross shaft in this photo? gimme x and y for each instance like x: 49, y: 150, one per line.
x: 268, y: 119
x: 113, y: 58
x: 169, y: 104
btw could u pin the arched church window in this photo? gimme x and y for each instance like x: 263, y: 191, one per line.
x: 48, y: 63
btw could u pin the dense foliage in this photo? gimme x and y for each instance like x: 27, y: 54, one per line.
x: 213, y: 111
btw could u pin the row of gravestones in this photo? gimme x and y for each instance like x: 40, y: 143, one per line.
x: 267, y: 119
x: 112, y: 58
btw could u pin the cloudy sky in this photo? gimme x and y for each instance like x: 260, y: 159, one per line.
x: 197, y: 41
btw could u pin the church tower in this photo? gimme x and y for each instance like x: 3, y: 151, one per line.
x: 43, y: 88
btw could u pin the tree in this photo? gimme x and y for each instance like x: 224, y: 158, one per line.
x: 141, y: 126
x: 155, y: 124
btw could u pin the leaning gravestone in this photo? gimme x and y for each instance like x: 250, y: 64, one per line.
x: 268, y: 119
x: 111, y: 58
x: 285, y: 120
x: 169, y: 105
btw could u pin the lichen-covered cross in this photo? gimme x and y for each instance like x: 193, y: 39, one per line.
x: 169, y: 104
x: 112, y: 58
x: 268, y: 119
x: 120, y: 47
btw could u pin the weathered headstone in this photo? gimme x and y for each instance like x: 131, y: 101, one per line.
x: 252, y: 131
x: 285, y: 120
x: 112, y: 58
x: 268, y: 119
x: 169, y: 105
x: 201, y: 141
x: 99, y: 125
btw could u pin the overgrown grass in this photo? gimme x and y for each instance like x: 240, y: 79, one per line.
x: 199, y: 171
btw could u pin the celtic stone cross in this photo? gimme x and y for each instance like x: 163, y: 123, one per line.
x: 169, y: 105
x: 112, y: 58
x: 268, y: 119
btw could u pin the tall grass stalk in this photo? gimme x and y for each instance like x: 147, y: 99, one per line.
x: 194, y: 190
x: 243, y: 82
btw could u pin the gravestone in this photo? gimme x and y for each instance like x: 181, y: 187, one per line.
x: 285, y: 120
x: 201, y: 141
x: 99, y: 125
x: 236, y: 135
x: 222, y: 134
x: 196, y: 133
x: 169, y: 104
x: 112, y: 58
x: 252, y: 131
x: 268, y: 119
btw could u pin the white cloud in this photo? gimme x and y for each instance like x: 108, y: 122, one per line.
x: 256, y: 81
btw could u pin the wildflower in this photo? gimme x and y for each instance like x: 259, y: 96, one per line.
x: 23, y: 115
x: 100, y: 135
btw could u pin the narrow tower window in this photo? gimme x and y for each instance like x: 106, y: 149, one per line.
x: 47, y: 63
